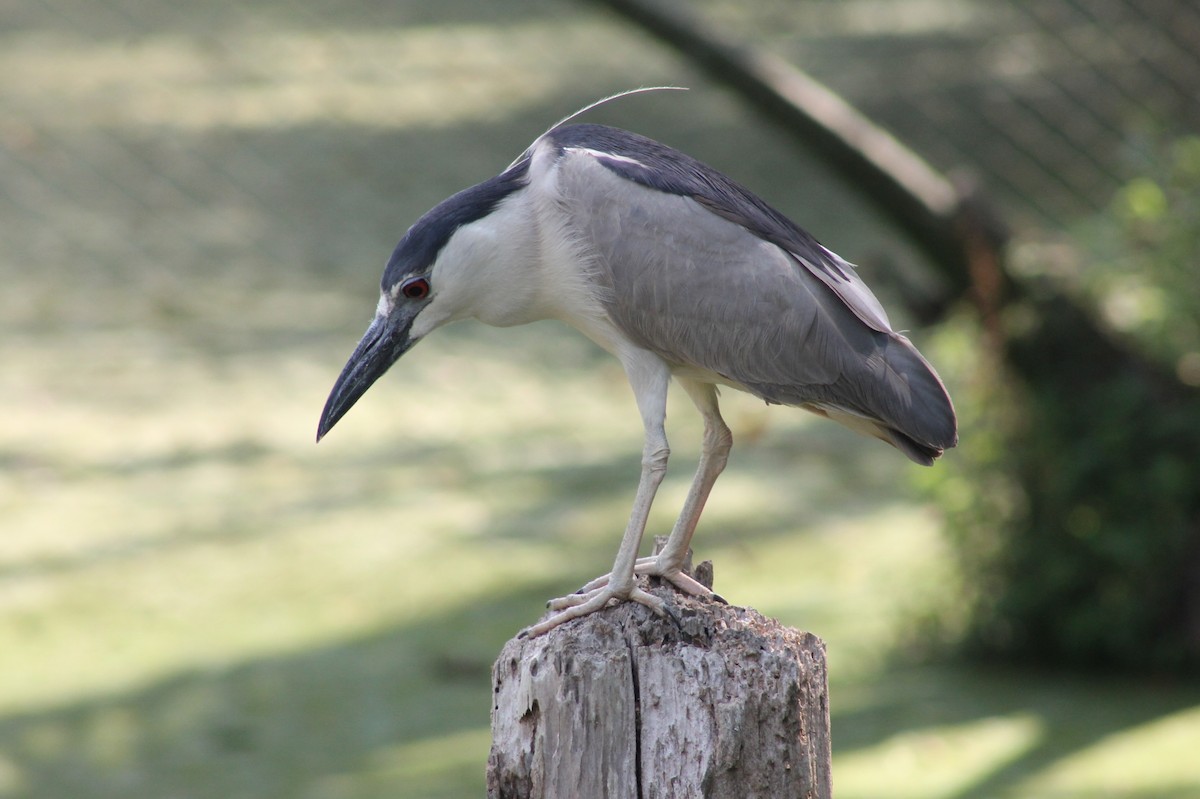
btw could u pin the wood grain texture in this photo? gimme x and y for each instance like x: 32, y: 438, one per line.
x: 724, y: 704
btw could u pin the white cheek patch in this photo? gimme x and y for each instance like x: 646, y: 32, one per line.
x: 384, y: 308
x: 426, y: 321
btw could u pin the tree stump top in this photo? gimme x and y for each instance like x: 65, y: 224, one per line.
x: 722, y: 702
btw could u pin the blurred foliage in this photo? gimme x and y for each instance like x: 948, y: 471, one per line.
x: 195, y: 201
x: 1076, y: 518
x: 1143, y: 258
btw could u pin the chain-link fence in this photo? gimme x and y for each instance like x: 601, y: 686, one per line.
x: 196, y: 199
x: 1053, y: 102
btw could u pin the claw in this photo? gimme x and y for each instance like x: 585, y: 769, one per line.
x: 597, y: 593
x: 673, y: 615
x: 577, y: 605
x: 571, y: 600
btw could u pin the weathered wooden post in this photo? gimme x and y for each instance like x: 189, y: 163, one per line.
x: 726, y: 704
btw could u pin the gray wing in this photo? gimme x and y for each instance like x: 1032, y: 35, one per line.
x: 702, y: 288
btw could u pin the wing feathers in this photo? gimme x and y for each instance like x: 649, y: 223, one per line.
x: 705, y: 274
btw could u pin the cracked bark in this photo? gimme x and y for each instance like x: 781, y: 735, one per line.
x: 625, y: 704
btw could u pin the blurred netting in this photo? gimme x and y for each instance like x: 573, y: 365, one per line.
x: 167, y: 116
x: 185, y: 149
x: 1054, y: 103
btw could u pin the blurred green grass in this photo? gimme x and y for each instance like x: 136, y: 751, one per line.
x: 195, y: 601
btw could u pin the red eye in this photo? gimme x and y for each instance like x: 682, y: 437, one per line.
x: 416, y: 289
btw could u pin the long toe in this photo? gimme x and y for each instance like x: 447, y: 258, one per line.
x: 641, y: 566
x: 592, y: 585
x: 583, y: 604
x: 590, y: 604
x: 674, y: 575
x: 687, y: 585
x: 580, y: 597
x: 651, y: 601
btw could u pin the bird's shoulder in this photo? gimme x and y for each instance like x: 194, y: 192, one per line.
x: 660, y: 168
x: 657, y: 166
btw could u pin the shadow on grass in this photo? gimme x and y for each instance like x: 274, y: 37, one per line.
x: 116, y: 18
x: 291, y: 725
x: 541, y: 502
x: 157, y: 218
x: 404, y: 712
x: 1071, y: 712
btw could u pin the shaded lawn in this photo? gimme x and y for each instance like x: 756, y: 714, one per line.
x: 262, y: 617
x: 196, y: 601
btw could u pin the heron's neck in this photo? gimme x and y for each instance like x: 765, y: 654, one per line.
x: 490, y: 271
x: 514, y: 266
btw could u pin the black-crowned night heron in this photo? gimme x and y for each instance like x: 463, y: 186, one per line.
x: 680, y: 273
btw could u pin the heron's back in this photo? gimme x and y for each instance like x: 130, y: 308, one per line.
x: 705, y: 293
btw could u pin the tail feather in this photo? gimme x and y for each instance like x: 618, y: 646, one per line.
x: 917, y: 451
x: 905, y: 404
x: 925, y: 425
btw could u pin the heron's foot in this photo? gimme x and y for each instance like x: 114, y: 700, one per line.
x: 689, y: 585
x: 653, y: 566
x: 576, y: 605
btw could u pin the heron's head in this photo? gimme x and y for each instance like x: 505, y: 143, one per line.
x: 430, y: 280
